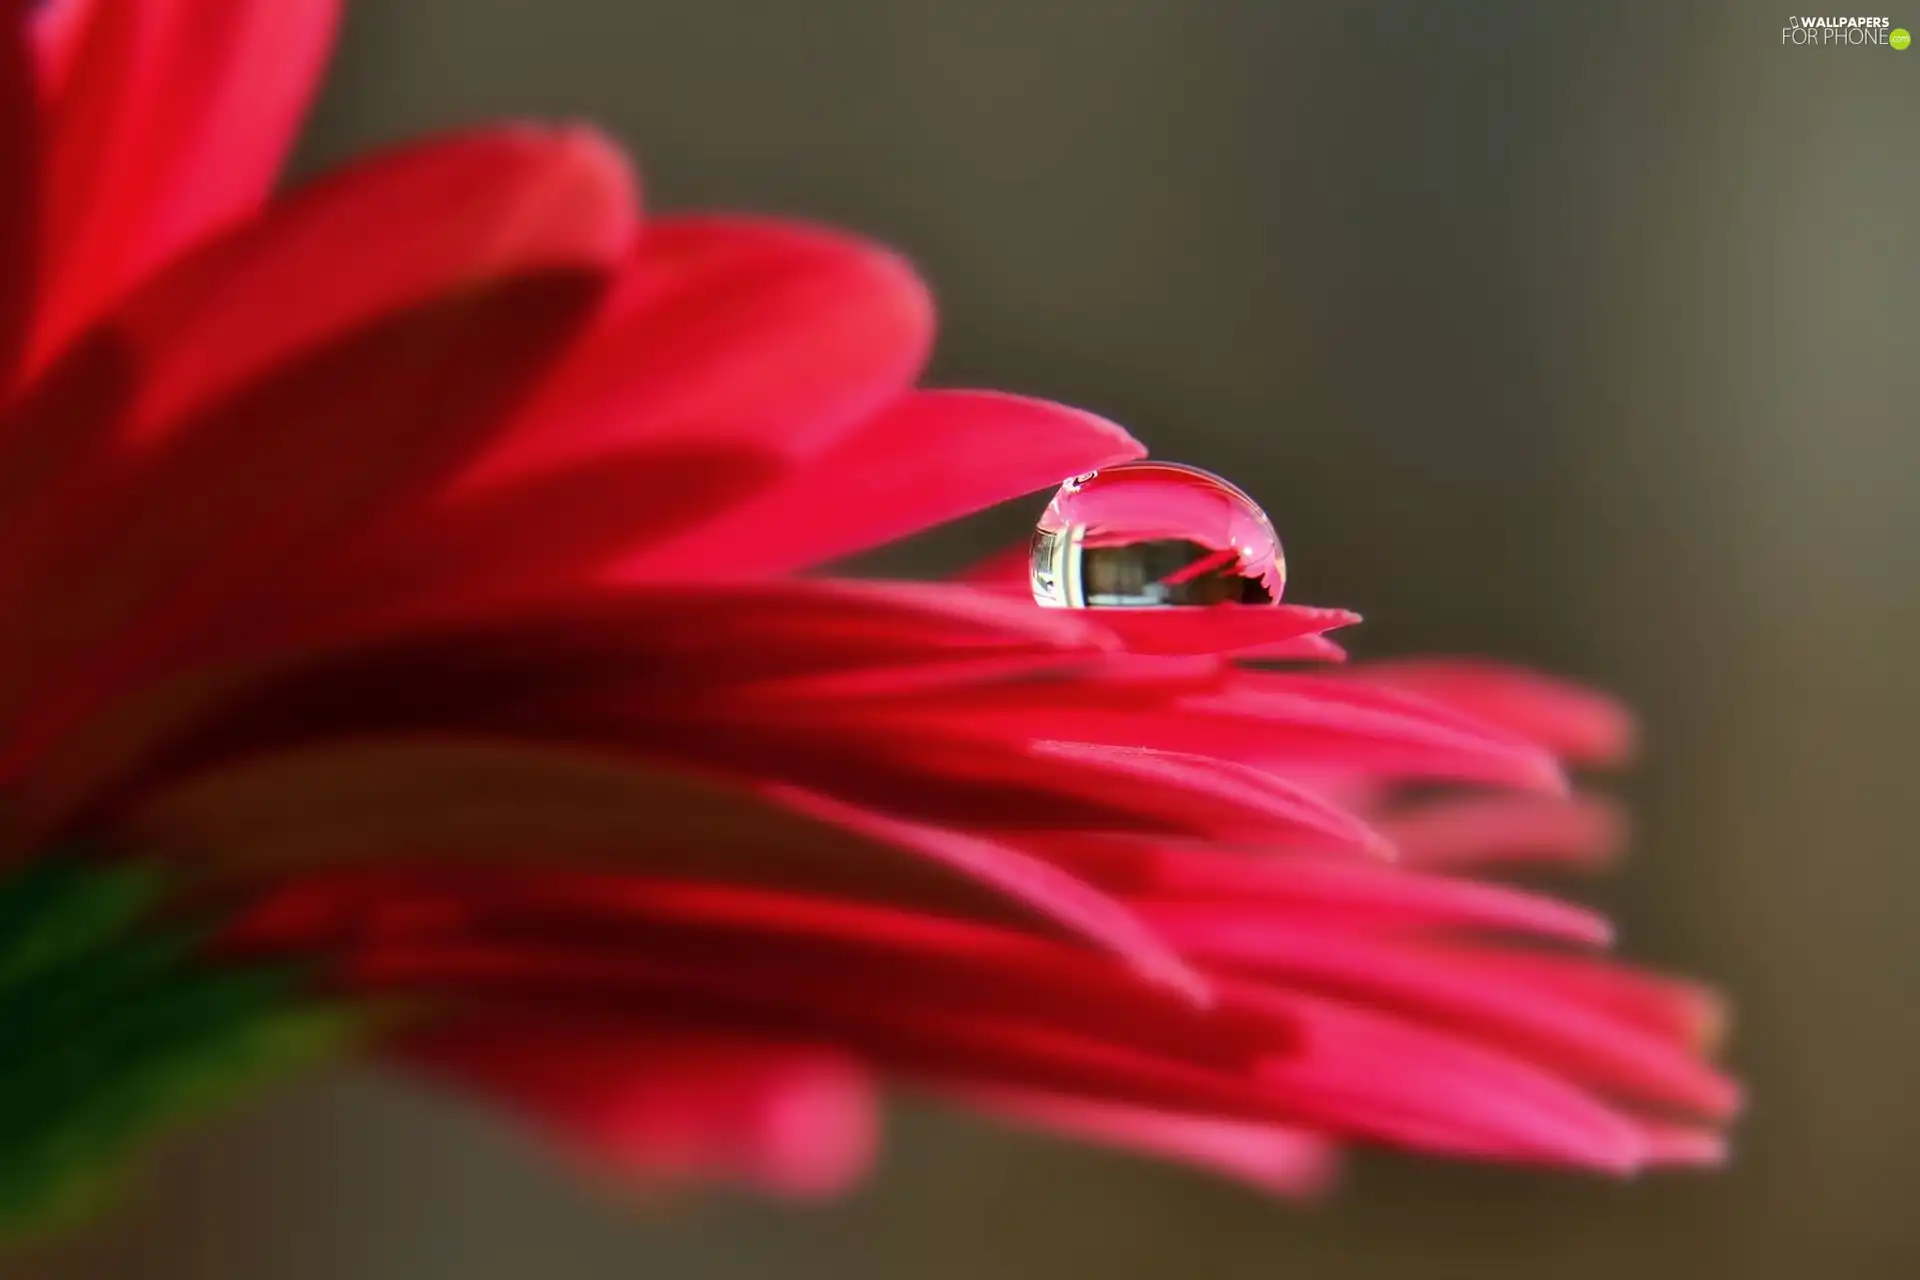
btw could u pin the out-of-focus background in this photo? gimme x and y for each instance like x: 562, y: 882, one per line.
x: 1581, y: 335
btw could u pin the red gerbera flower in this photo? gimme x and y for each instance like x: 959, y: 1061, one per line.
x: 404, y: 652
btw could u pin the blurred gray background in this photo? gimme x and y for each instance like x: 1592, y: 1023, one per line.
x: 1579, y: 335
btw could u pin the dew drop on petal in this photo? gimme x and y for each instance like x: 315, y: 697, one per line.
x: 1147, y: 534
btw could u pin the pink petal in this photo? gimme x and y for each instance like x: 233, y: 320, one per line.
x: 1054, y: 893
x: 1575, y: 1041
x: 766, y: 337
x: 1246, y: 802
x: 1330, y: 722
x: 1228, y: 891
x: 1582, y: 726
x: 169, y: 124
x: 670, y: 1104
x: 1476, y: 831
x: 1685, y: 1013
x: 1279, y: 732
x: 932, y: 457
x: 1268, y: 1157
x: 1367, y: 1074
x: 1672, y: 1146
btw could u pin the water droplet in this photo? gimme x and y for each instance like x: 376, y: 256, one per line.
x: 1154, y: 533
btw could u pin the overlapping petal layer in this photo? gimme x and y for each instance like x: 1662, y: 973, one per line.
x: 410, y: 564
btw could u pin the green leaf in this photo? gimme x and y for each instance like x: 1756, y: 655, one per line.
x: 116, y: 1027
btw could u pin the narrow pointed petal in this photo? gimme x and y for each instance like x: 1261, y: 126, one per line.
x: 1226, y: 630
x: 1282, y: 732
x: 1057, y: 894
x: 1208, y: 888
x: 1577, y: 724
x: 1480, y: 831
x: 1237, y: 797
x: 1267, y: 1157
x: 1684, y: 1013
x: 1412, y: 978
x: 1322, y: 721
x: 1367, y: 1073
x: 1675, y: 1147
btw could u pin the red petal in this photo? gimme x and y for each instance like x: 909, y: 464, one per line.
x: 412, y: 800
x: 1359, y: 1073
x: 1228, y: 630
x: 394, y: 232
x: 932, y: 457
x: 526, y: 537
x: 394, y: 235
x: 670, y: 1103
x: 879, y: 954
x: 1242, y: 632
x: 171, y: 124
x: 1008, y: 572
x: 19, y: 223
x: 767, y: 337
x: 561, y: 667
x: 201, y: 527
x: 57, y: 28
x: 1025, y: 1035
x: 1305, y: 649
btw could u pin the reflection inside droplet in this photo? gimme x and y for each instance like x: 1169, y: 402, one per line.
x: 1154, y: 533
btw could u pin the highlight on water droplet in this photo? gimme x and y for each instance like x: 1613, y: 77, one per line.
x: 1148, y: 534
